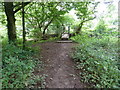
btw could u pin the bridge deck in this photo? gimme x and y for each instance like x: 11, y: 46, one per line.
x: 64, y: 41
x: 65, y: 36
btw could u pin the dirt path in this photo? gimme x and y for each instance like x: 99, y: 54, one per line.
x: 59, y: 66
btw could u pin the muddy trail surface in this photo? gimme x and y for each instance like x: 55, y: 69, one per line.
x: 60, y: 67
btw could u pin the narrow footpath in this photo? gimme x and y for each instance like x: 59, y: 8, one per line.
x: 60, y: 67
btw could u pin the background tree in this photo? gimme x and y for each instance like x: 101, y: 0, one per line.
x: 41, y: 15
x: 85, y: 12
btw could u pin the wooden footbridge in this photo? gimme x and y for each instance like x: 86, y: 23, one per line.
x: 65, y: 36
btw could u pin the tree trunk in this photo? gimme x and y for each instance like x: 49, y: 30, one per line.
x: 47, y: 26
x: 10, y: 21
x: 23, y: 23
x: 79, y: 28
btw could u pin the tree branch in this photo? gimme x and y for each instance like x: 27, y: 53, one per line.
x: 17, y: 5
x: 89, y: 19
x: 26, y: 3
x: 47, y: 25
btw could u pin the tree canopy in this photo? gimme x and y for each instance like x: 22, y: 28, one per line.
x: 39, y: 16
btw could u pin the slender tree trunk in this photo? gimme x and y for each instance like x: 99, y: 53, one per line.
x: 10, y: 21
x: 23, y: 23
x: 69, y: 29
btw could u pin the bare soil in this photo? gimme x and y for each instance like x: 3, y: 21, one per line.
x: 60, y: 67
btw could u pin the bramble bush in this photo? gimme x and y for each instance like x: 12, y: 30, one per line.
x: 17, y: 66
x: 97, y: 58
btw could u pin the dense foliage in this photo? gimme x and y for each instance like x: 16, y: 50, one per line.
x: 97, y: 58
x: 18, y: 66
x: 97, y: 53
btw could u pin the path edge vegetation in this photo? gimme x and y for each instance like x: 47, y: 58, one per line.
x: 98, y: 61
x: 18, y: 67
